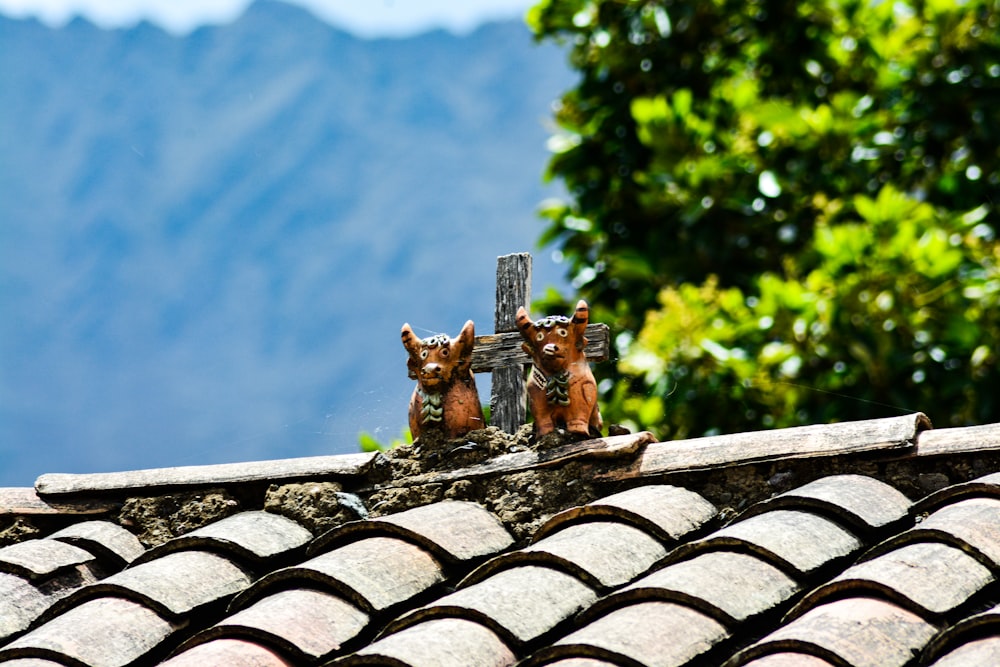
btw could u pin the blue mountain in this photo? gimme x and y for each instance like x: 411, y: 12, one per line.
x: 209, y: 242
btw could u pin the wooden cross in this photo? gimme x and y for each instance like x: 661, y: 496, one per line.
x: 501, y: 354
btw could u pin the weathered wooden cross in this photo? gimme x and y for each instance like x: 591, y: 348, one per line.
x: 501, y: 354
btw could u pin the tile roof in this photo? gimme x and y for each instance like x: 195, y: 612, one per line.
x: 868, y: 543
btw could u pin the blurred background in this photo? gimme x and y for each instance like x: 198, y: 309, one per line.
x: 215, y: 217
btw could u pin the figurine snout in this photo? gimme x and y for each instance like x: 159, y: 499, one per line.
x: 431, y: 370
x: 550, y: 350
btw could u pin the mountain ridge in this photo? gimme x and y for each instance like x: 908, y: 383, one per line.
x: 205, y: 236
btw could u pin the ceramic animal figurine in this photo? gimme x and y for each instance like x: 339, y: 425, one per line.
x: 445, y: 399
x: 562, y: 392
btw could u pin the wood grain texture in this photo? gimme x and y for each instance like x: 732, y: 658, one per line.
x: 507, y: 405
x: 499, y: 350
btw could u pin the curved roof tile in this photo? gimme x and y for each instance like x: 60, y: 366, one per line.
x: 864, y: 504
x: 106, y: 632
x: 520, y: 604
x: 451, y: 529
x: 41, y: 558
x: 635, y: 635
x: 303, y: 623
x: 253, y: 537
x: 971, y: 524
x: 665, y: 511
x: 21, y: 602
x: 106, y: 540
x: 728, y: 586
x: 375, y: 573
x: 436, y: 643
x: 863, y: 632
x: 798, y: 542
x: 228, y: 652
x: 984, y: 651
x: 174, y: 585
x: 603, y: 554
x: 902, y: 575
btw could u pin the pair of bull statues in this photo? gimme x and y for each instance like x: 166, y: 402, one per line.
x: 562, y: 392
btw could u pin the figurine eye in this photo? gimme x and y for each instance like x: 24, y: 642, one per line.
x: 444, y: 352
x: 561, y: 332
x: 540, y: 336
x: 423, y: 354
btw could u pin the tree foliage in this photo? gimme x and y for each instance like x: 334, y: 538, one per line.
x: 787, y: 209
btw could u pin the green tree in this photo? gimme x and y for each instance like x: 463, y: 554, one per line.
x: 787, y: 209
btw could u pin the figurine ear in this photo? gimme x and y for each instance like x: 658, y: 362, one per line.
x: 582, y: 315
x: 410, y: 340
x: 466, y: 339
x: 523, y: 322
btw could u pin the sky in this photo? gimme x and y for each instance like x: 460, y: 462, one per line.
x: 365, y: 18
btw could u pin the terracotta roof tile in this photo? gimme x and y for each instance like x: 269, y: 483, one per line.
x: 609, y: 542
x: 174, y: 585
x: 41, y: 558
x: 861, y: 503
x: 797, y: 542
x: 228, y: 652
x: 902, y: 575
x: 986, y: 486
x: 304, y: 624
x: 967, y: 630
x: 21, y: 602
x: 603, y: 554
x: 636, y: 633
x: 106, y: 632
x: 789, y: 660
x: 375, y: 573
x: 599, y: 576
x: 970, y: 524
x: 520, y: 604
x: 436, y: 643
x: 666, y: 512
x: 54, y: 485
x: 985, y: 652
x: 728, y: 586
x: 454, y: 530
x: 945, y: 441
x: 106, y: 540
x: 581, y: 662
x: 860, y: 631
x: 250, y: 537
x: 803, y: 441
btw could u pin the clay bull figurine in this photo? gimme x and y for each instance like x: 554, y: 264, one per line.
x: 445, y: 399
x: 562, y: 392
